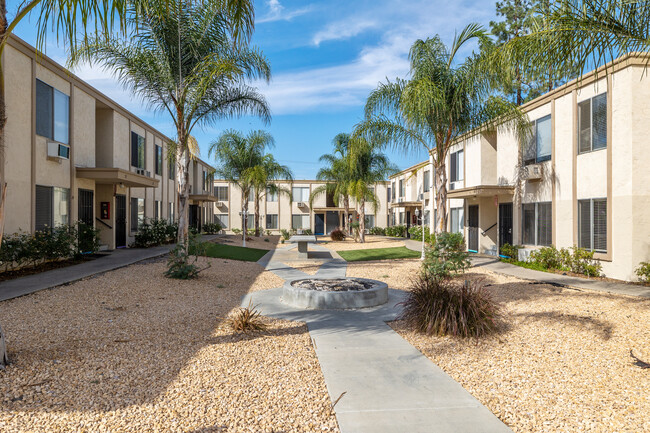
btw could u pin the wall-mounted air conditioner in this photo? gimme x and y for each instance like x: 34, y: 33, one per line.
x: 533, y: 172
x: 57, y: 151
x: 302, y: 204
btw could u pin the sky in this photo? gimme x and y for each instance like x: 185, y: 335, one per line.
x: 326, y: 56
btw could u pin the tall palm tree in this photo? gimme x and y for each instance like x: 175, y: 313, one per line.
x: 237, y: 156
x: 336, y: 175
x: 442, y: 99
x: 368, y: 167
x: 583, y: 34
x: 190, y: 60
x: 263, y: 179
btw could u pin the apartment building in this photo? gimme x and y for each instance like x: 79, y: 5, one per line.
x: 582, y: 180
x: 72, y: 154
x: 202, y: 193
x: 411, y: 196
x: 280, y: 211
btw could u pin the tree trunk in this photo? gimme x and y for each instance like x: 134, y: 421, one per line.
x: 4, y: 359
x: 441, y: 198
x: 182, y: 165
x: 257, y: 216
x: 346, y: 215
x: 362, y: 221
x: 244, y: 217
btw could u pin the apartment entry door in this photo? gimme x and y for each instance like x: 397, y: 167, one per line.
x: 472, y: 222
x: 120, y: 221
x: 319, y: 224
x: 505, y: 224
x: 331, y: 221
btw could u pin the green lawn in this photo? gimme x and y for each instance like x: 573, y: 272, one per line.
x: 379, y: 254
x: 232, y: 252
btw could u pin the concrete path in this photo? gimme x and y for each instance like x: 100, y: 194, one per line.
x: 116, y: 259
x: 385, y: 385
x: 548, y: 277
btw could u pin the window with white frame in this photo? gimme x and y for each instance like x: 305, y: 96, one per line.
x: 592, y: 224
x: 300, y: 194
x: 250, y: 221
x: 52, y: 207
x: 592, y: 124
x: 537, y: 224
x: 52, y: 113
x: 222, y: 218
x: 456, y: 219
x: 271, y: 196
x: 271, y: 221
x: 299, y: 221
x: 402, y: 218
x: 393, y: 192
x: 137, y: 213
x: 402, y: 188
x: 370, y: 221
x: 426, y: 181
x: 538, y: 148
x: 457, y: 166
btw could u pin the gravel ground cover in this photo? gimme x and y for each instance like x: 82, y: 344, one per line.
x: 350, y: 244
x: 309, y: 267
x: 562, y: 362
x: 132, y: 351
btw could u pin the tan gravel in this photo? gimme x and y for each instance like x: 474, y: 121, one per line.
x: 131, y: 351
x: 309, y: 267
x: 371, y: 242
x: 396, y: 273
x: 562, y: 362
x: 252, y: 242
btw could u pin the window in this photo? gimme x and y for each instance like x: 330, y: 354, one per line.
x: 159, y: 160
x: 402, y: 188
x: 271, y: 195
x: 426, y: 181
x: 592, y: 124
x: 370, y: 221
x: 592, y: 224
x: 457, y: 222
x: 137, y: 150
x: 392, y: 192
x: 427, y: 217
x: 457, y: 165
x: 85, y: 206
x: 171, y: 168
x: 208, y: 180
x: 271, y: 221
x: 389, y: 194
x: 157, y: 209
x: 170, y: 212
x: 250, y: 221
x: 251, y: 195
x: 223, y: 219
x: 221, y: 193
x: 402, y: 219
x: 300, y: 221
x: 300, y: 194
x: 137, y: 213
x: 52, y: 113
x: 538, y: 148
x: 537, y: 224
x: 52, y: 207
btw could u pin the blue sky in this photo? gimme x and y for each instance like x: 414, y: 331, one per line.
x: 326, y: 56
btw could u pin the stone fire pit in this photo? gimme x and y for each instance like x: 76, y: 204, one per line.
x: 335, y: 293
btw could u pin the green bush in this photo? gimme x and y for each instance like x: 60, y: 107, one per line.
x: 445, y: 307
x: 582, y: 262
x: 447, y: 257
x: 576, y: 260
x: 152, y: 233
x: 396, y: 231
x: 643, y: 272
x: 307, y: 232
x: 510, y: 251
x: 337, y: 235
x: 87, y: 239
x: 377, y: 231
x: 547, y: 257
x: 416, y: 234
x: 212, y: 228
x: 181, y: 264
x: 286, y: 234
x: 236, y: 231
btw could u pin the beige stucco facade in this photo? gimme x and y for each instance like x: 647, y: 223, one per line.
x: 99, y: 165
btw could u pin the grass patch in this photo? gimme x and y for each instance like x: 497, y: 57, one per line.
x: 379, y: 254
x: 220, y: 251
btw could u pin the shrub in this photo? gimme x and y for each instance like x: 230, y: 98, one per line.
x: 266, y: 240
x: 155, y: 232
x: 212, y: 228
x: 286, y: 234
x: 246, y: 319
x: 268, y: 233
x: 547, y: 257
x: 444, y: 307
x: 88, y: 238
x: 582, y: 262
x: 510, y: 251
x: 396, y: 231
x: 643, y: 272
x: 447, y: 257
x: 236, y: 231
x: 377, y: 231
x: 416, y: 234
x: 337, y: 235
x: 307, y: 232
x: 182, y: 259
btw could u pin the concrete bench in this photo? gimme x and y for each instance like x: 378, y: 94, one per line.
x: 302, y: 241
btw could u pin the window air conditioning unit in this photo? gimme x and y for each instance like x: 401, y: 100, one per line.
x: 221, y: 204
x: 57, y: 151
x: 401, y: 199
x: 452, y: 186
x: 533, y: 172
x: 302, y: 204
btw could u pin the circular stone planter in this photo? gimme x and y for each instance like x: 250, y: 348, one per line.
x: 335, y: 294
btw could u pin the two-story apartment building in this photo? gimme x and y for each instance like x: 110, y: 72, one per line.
x: 581, y: 180
x: 73, y: 154
x: 284, y: 211
x: 411, y: 196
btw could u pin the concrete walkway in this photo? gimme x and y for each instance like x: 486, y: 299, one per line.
x: 46, y: 280
x: 548, y: 277
x: 385, y: 385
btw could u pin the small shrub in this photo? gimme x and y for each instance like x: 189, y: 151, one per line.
x: 447, y: 257
x: 182, y: 259
x: 378, y: 231
x: 156, y: 232
x: 246, y: 319
x: 307, y: 232
x: 268, y: 233
x: 510, y: 251
x: 337, y: 235
x: 396, y: 231
x: 547, y: 257
x: 88, y: 239
x: 416, y: 233
x: 236, y: 231
x: 212, y: 228
x: 582, y: 262
x: 266, y: 240
x: 444, y: 307
x: 286, y: 234
x: 643, y: 272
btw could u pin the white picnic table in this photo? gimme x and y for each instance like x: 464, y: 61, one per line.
x: 302, y: 241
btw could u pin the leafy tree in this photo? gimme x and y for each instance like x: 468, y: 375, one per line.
x: 263, y: 179
x: 190, y: 60
x: 442, y: 99
x: 237, y: 156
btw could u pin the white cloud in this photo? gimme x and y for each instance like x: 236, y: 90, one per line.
x: 341, y: 30
x: 277, y: 12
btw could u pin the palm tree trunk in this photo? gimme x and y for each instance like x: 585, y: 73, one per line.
x: 362, y: 221
x: 183, y: 192
x: 346, y: 215
x: 244, y: 220
x: 257, y: 216
x: 441, y: 197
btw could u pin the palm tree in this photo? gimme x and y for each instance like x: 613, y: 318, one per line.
x: 368, y: 167
x: 336, y: 175
x: 262, y: 178
x: 442, y: 99
x: 237, y: 157
x: 191, y: 60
